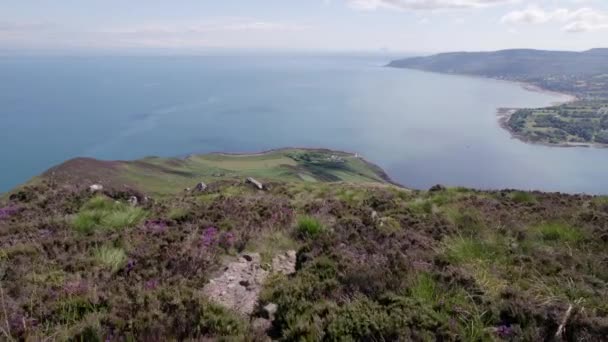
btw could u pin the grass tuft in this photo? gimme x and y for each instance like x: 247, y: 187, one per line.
x: 425, y: 289
x: 559, y: 232
x: 111, y: 258
x: 463, y: 250
x: 101, y: 212
x: 523, y: 197
x: 179, y: 214
x: 309, y: 226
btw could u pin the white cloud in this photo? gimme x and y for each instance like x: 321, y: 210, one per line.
x: 424, y: 4
x: 579, y: 20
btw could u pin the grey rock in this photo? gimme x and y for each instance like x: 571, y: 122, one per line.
x: 255, y: 183
x: 96, y: 188
x: 239, y: 286
x: 269, y: 311
x: 133, y: 201
x: 201, y: 187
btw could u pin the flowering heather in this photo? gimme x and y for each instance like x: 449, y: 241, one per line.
x: 76, y: 288
x: 151, y: 284
x: 9, y: 211
x: 209, y: 236
x: 504, y: 331
x: 156, y: 226
x: 130, y: 266
x: 227, y: 240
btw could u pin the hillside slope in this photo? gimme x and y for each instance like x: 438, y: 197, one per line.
x: 522, y: 63
x: 300, y: 260
x: 162, y: 176
x: 583, y: 74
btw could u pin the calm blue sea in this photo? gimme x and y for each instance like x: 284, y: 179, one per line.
x: 423, y: 128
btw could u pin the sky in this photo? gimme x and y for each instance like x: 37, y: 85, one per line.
x: 301, y: 25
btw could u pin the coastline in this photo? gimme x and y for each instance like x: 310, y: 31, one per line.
x: 504, y: 114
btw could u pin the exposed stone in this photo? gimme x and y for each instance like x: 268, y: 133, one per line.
x: 285, y: 263
x: 269, y: 311
x: 239, y: 286
x: 133, y: 201
x: 96, y: 188
x: 437, y: 188
x: 255, y: 183
x: 201, y: 187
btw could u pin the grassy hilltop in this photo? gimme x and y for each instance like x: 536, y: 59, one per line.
x: 162, y: 176
x: 373, y: 261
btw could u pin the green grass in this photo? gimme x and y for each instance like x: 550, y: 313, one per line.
x: 179, y: 214
x: 425, y: 289
x: 523, y: 197
x: 111, y: 258
x: 309, y: 226
x: 103, y: 213
x: 421, y: 206
x: 463, y: 250
x: 166, y: 176
x: 559, y: 232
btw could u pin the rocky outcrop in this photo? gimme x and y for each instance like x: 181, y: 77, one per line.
x: 239, y: 286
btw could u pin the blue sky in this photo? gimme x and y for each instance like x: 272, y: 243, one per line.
x: 327, y: 25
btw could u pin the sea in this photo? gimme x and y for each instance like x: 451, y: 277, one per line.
x: 422, y: 128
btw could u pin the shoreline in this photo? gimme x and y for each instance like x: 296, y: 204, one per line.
x: 504, y: 113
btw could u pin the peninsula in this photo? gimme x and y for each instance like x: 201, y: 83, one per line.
x: 583, y: 75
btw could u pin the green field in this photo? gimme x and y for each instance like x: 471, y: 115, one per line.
x: 162, y: 176
x: 581, y: 122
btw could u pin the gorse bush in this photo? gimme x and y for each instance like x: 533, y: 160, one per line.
x: 111, y: 258
x: 309, y: 226
x: 103, y: 213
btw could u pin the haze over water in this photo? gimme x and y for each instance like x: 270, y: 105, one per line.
x: 422, y: 128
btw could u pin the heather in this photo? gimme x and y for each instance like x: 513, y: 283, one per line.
x: 374, y: 261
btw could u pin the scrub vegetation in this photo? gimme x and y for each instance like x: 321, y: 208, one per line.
x: 375, y: 262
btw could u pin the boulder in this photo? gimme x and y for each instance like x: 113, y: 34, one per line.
x: 96, y: 188
x: 255, y: 183
x: 133, y: 201
x: 200, y: 187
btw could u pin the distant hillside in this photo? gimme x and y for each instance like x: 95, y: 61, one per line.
x: 513, y: 63
x: 162, y: 176
x: 582, y: 74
